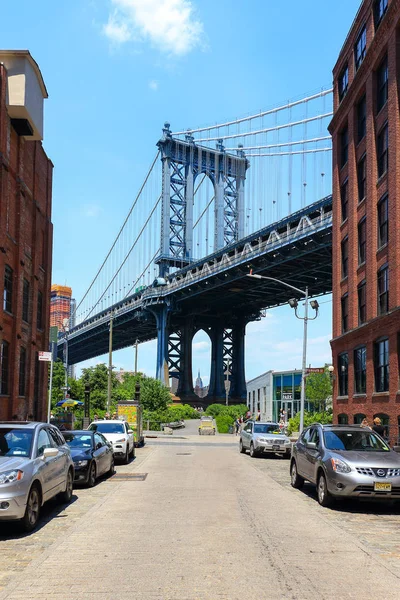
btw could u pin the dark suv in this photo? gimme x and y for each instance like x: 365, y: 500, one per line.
x: 345, y: 461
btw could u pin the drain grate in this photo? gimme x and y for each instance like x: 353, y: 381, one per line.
x: 129, y: 477
x: 184, y: 454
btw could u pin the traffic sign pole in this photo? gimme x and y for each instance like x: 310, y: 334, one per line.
x: 50, y: 388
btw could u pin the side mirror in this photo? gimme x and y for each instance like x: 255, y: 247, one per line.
x: 49, y: 453
x: 311, y: 445
x: 130, y: 430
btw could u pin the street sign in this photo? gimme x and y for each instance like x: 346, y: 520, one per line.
x: 45, y: 356
x: 315, y: 370
x: 54, y: 334
x: 287, y: 396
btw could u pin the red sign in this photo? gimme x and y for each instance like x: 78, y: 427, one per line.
x: 315, y: 370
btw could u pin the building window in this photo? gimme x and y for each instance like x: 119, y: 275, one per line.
x: 360, y: 370
x: 383, y: 150
x: 380, y: 7
x: 343, y: 83
x: 360, y: 47
x: 39, y: 314
x: 8, y: 289
x: 381, y: 364
x: 383, y: 290
x: 343, y: 374
x: 362, y: 303
x: 22, y: 372
x: 345, y: 257
x: 361, y: 177
x: 361, y: 118
x: 362, y: 242
x: 345, y: 312
x: 344, y: 146
x: 343, y: 419
x: 383, y: 221
x: 359, y: 418
x: 382, y: 76
x: 4, y: 364
x: 344, y: 200
x: 25, y: 301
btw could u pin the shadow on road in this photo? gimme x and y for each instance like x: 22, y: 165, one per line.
x: 357, y: 506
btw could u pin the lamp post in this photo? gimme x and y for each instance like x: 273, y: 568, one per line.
x: 65, y: 325
x: 294, y: 304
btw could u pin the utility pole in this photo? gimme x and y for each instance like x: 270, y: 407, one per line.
x: 110, y: 341
x: 227, y: 383
x: 136, y: 355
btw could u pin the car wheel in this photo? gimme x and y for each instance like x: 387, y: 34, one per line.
x: 67, y: 494
x: 132, y: 452
x: 253, y: 452
x: 296, y: 480
x: 323, y: 495
x: 242, y: 448
x: 92, y: 475
x: 111, y: 470
x: 126, y: 459
x: 32, y: 511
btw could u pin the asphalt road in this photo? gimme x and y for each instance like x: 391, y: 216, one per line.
x: 192, y: 519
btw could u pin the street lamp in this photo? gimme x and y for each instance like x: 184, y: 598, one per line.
x: 293, y: 303
x: 65, y: 325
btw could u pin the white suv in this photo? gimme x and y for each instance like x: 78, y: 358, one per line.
x: 119, y: 434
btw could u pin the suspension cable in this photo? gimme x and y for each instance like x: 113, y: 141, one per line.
x: 318, y: 139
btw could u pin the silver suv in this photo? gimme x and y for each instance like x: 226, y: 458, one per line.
x: 35, y: 465
x: 264, y: 438
x: 345, y: 461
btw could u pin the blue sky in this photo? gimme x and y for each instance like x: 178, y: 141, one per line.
x: 115, y: 70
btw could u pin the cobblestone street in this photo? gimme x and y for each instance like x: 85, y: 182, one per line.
x: 203, y: 517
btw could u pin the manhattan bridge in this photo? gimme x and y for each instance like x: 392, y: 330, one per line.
x: 252, y: 192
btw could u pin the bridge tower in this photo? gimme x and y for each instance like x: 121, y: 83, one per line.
x: 182, y: 162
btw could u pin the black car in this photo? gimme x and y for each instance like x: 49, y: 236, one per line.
x: 92, y: 455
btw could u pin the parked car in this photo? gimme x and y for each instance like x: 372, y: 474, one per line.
x: 264, y: 438
x: 35, y: 465
x: 119, y: 434
x: 92, y: 454
x: 345, y: 461
x: 206, y: 426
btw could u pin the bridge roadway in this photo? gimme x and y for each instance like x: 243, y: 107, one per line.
x: 296, y: 249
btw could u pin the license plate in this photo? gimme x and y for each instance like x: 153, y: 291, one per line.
x: 379, y: 486
x: 276, y: 447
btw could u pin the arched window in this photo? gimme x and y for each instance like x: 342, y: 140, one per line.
x: 343, y: 419
x: 358, y: 418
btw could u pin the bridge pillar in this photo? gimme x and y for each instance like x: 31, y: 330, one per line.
x: 238, y: 389
x: 185, y: 387
x: 216, y: 390
x: 161, y: 315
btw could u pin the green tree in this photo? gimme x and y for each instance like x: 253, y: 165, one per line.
x: 319, y: 389
x: 58, y: 382
x: 154, y: 395
x: 97, y: 378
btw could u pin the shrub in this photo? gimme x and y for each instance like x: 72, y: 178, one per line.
x: 182, y: 411
x: 224, y: 421
x: 309, y: 419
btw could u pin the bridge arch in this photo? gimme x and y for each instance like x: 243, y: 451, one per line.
x: 201, y: 361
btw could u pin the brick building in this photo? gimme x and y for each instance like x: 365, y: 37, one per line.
x: 25, y: 238
x: 366, y: 235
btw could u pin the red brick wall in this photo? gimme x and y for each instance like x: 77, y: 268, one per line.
x: 26, y: 237
x: 386, y: 39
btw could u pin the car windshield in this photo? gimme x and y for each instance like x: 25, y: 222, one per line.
x: 361, y: 441
x: 78, y: 440
x: 107, y: 427
x: 266, y: 428
x: 15, y: 442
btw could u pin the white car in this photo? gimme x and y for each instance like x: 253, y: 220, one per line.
x: 264, y: 438
x: 119, y: 434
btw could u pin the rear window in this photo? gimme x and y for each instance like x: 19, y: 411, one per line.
x: 266, y: 428
x: 81, y: 440
x: 107, y: 427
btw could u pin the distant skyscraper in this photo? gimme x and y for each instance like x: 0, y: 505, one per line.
x: 62, y: 306
x: 199, y: 388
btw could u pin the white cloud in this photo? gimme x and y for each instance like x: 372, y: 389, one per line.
x: 169, y: 25
x: 201, y: 346
x: 153, y: 85
x: 91, y: 210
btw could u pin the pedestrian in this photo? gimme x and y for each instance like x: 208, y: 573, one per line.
x: 115, y: 416
x: 107, y: 416
x: 96, y: 417
x: 364, y: 423
x: 379, y: 428
x: 237, y: 425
